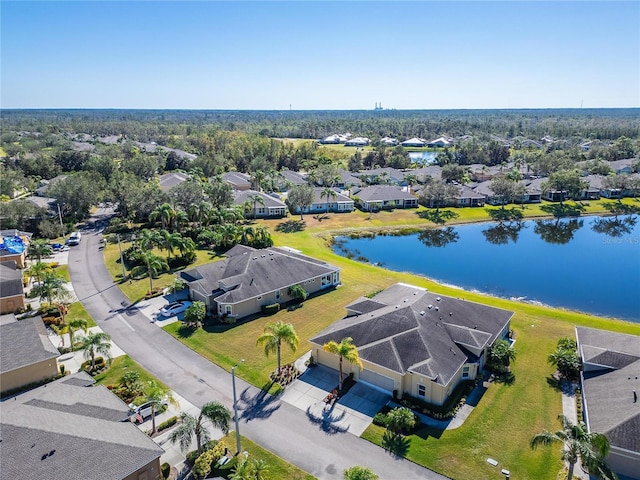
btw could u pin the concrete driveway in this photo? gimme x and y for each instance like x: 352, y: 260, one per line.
x: 353, y: 412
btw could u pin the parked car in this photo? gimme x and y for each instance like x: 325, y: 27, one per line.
x: 74, y: 238
x: 174, y: 308
x: 139, y: 413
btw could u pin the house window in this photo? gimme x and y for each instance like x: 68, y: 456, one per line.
x: 227, y: 309
x: 422, y: 391
x: 465, y: 372
x: 277, y: 294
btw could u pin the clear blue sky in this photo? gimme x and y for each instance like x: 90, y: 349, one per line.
x: 320, y: 55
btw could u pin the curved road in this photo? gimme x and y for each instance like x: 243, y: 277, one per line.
x: 275, y: 425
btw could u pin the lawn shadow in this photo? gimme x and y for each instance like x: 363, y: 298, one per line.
x: 618, y: 208
x: 327, y: 421
x: 506, y: 378
x: 291, y: 226
x: 396, y: 444
x: 259, y: 406
x: 425, y: 431
x: 440, y: 217
x: 505, y: 214
x: 554, y: 383
x: 563, y: 210
x: 185, y: 331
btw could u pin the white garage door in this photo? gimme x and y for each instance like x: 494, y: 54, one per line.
x: 380, y: 381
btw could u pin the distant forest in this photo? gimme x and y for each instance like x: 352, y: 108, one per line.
x: 156, y: 125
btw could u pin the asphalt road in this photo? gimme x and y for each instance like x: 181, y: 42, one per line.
x: 275, y: 425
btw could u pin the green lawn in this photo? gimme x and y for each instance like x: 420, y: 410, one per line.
x: 278, y: 469
x: 120, y: 366
x: 76, y: 310
x: 507, y: 416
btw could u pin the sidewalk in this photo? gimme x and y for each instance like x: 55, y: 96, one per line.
x: 569, y: 411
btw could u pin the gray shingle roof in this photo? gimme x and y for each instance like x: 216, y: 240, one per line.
x: 24, y: 343
x: 45, y: 435
x: 416, y: 330
x: 608, y: 391
x: 10, y: 280
x: 384, y: 192
x: 247, y: 272
x: 241, y: 196
x: 172, y: 179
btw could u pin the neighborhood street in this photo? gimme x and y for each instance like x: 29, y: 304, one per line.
x: 274, y: 424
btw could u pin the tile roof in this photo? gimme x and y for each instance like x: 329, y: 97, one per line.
x: 611, y: 377
x: 70, y: 430
x: 415, y: 330
x: 24, y: 343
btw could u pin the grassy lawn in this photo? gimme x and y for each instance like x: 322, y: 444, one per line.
x: 277, y: 467
x: 120, y: 366
x: 76, y: 310
x: 507, y: 416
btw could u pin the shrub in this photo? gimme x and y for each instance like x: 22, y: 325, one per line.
x: 87, y: 363
x: 271, y: 309
x: 202, y: 466
x: 132, y: 257
x: 167, y: 423
x: 165, y: 469
x: 401, y: 420
x: 191, y: 457
x: 380, y: 419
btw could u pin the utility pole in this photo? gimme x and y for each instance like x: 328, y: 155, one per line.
x: 235, y: 407
x: 61, y: 224
x: 124, y: 275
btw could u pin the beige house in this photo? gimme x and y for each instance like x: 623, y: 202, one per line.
x: 249, y: 279
x: 415, y: 342
x: 11, y: 288
x: 71, y: 429
x: 611, y: 393
x: 27, y: 355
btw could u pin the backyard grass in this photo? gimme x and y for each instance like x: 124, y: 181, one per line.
x: 278, y: 468
x: 120, y: 366
x: 508, y: 414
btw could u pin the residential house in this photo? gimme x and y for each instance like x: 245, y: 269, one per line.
x: 11, y: 288
x: 440, y: 142
x: 387, y: 175
x: 14, y: 245
x: 530, y: 144
x: 623, y: 166
x: 382, y: 197
x: 481, y: 173
x: 27, y: 355
x: 415, y: 342
x: 550, y: 195
x: 414, y: 142
x: 71, y: 429
x: 337, y: 202
x: 269, y: 206
x: 389, y: 141
x: 357, y: 142
x: 45, y: 184
x: 610, y: 393
x: 424, y: 174
x: 467, y: 197
x: 532, y: 192
x: 291, y: 178
x: 586, y: 146
x: 592, y: 190
x: 172, y: 179
x: 249, y: 279
x: 335, y: 138
x: 348, y: 180
x: 239, y: 181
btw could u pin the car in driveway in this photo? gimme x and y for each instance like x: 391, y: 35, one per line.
x: 174, y: 308
x: 139, y: 413
x: 74, y: 238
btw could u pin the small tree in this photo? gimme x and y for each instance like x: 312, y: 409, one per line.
x: 502, y: 354
x: 156, y: 393
x: 400, y: 420
x: 566, y: 359
x: 96, y: 343
x: 298, y: 293
x: 345, y: 349
x: 273, y: 336
x: 300, y: 197
x: 195, y: 313
x: 190, y: 426
x: 359, y: 473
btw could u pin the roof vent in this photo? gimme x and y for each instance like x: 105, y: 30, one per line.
x: 405, y: 300
x: 422, y: 313
x: 429, y: 306
x: 437, y: 308
x: 450, y: 313
x: 262, y: 256
x: 254, y: 258
x: 438, y: 299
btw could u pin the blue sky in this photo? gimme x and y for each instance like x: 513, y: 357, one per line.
x: 320, y: 55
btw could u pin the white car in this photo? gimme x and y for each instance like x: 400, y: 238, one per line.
x: 139, y: 413
x: 74, y: 238
x: 174, y: 308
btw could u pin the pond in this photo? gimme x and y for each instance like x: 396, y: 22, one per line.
x: 423, y: 158
x: 588, y: 264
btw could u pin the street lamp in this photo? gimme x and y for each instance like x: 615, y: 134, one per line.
x: 235, y: 406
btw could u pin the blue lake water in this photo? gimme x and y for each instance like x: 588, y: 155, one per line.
x: 424, y: 158
x: 590, y: 264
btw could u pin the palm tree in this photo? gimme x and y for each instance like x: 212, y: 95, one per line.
x: 273, y: 336
x: 156, y: 393
x: 165, y: 213
x: 345, y: 349
x: 185, y: 245
x: 148, y: 239
x: 52, y: 286
x: 590, y: 448
x: 96, y: 343
x: 169, y: 241
x: 215, y: 412
x: 37, y: 270
x: 153, y: 264
x: 75, y: 325
x: 39, y: 248
x: 255, y: 199
x: 328, y: 192
x: 257, y: 179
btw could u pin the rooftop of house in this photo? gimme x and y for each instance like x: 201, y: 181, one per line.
x: 248, y: 272
x: 10, y: 280
x: 610, y: 404
x: 172, y: 179
x: 318, y: 196
x: 71, y: 430
x: 24, y: 343
x: 408, y: 329
x: 242, y: 196
x: 236, y: 178
x: 376, y: 193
